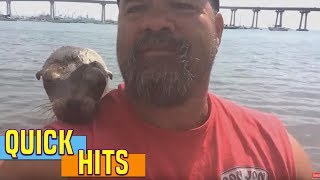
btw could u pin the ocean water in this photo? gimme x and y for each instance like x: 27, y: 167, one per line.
x: 275, y: 72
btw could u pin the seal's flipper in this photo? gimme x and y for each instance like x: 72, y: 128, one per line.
x: 39, y: 74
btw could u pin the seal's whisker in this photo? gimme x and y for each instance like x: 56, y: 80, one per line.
x: 42, y: 105
x: 51, y: 113
x: 48, y: 104
x: 59, y: 101
x: 46, y: 111
x: 49, y: 117
x: 45, y: 107
x: 53, y: 117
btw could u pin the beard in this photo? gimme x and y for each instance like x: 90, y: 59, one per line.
x: 161, y: 81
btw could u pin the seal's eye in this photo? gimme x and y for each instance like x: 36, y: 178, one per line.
x: 90, y: 75
x: 95, y: 82
x: 93, y: 75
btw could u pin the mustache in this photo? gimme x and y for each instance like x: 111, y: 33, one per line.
x: 162, y: 39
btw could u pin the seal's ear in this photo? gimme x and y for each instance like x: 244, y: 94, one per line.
x: 110, y: 75
x: 39, y: 74
x: 105, y: 71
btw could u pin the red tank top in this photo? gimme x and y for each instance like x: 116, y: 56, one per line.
x: 235, y: 143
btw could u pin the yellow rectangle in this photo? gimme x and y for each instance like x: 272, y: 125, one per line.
x: 136, y: 166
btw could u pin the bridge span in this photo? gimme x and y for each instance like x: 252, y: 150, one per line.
x: 279, y: 10
x: 278, y: 22
x: 52, y: 9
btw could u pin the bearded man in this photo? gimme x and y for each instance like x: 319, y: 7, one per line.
x: 166, y: 50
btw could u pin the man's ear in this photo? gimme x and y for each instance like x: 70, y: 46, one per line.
x: 219, y: 23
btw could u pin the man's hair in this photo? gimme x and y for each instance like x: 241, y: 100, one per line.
x: 214, y: 3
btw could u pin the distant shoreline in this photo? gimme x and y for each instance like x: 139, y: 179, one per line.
x: 82, y: 20
x: 46, y: 18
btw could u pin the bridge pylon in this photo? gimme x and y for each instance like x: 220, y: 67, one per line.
x: 8, y: 7
x: 103, y: 12
x: 233, y: 17
x: 255, y: 18
x: 305, y: 22
x: 52, y: 10
x: 279, y: 13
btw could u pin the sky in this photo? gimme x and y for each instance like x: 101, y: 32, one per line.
x: 244, y: 17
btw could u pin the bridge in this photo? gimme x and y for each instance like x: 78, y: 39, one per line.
x: 278, y: 22
x: 52, y: 9
x: 278, y: 10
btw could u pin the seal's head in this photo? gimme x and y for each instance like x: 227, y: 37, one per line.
x: 74, y: 79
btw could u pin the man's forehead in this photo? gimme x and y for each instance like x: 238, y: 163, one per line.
x: 127, y: 1
x: 215, y: 3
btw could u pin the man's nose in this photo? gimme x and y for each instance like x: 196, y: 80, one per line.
x: 157, y: 21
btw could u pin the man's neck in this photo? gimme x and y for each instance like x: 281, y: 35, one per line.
x: 192, y: 114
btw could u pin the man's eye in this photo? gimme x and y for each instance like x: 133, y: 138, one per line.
x: 135, y: 9
x: 183, y: 6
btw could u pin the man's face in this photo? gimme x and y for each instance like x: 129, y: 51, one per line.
x: 166, y: 48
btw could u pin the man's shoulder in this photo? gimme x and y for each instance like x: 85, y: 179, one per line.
x: 255, y: 124
x: 114, y: 96
x: 263, y: 133
x: 249, y: 118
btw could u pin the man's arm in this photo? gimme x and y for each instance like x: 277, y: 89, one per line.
x: 302, y: 162
x: 35, y: 170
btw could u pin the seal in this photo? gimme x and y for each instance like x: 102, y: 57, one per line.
x: 74, y: 80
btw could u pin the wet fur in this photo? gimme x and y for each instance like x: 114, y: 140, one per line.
x: 75, y: 96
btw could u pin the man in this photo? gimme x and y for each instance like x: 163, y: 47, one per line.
x: 166, y: 49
